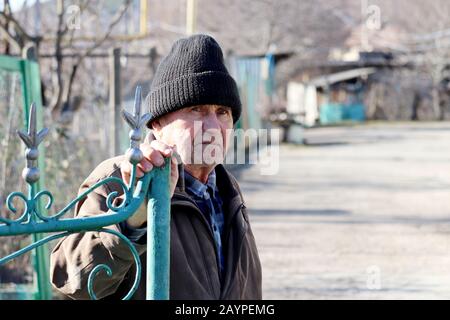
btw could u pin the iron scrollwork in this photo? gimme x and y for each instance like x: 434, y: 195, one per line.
x: 31, y: 220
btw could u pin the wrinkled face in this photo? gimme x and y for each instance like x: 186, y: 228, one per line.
x: 200, y: 133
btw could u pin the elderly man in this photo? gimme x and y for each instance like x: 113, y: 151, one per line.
x: 194, y: 103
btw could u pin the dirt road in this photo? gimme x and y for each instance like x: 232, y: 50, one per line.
x: 360, y: 212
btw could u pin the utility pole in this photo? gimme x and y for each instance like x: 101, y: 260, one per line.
x: 115, y: 101
x: 37, y: 17
x: 191, y: 16
x: 143, y: 17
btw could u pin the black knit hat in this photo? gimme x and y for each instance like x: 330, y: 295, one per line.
x: 193, y: 73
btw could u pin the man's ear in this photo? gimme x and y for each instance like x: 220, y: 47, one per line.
x: 156, y: 128
x: 156, y: 124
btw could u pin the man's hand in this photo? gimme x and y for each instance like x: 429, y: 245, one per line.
x: 154, y: 153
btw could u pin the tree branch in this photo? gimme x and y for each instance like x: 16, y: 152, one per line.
x: 116, y: 19
x: 64, y: 92
x: 18, y: 28
x: 58, y: 79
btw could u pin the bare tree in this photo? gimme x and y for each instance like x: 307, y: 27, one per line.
x: 63, y: 73
x: 424, y: 40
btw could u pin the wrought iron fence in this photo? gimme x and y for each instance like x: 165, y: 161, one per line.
x: 154, y: 186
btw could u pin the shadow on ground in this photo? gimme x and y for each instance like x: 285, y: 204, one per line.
x: 306, y: 212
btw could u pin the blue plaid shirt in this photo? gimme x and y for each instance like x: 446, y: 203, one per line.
x: 208, y: 199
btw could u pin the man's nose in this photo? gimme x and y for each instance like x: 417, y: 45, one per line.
x: 211, y: 122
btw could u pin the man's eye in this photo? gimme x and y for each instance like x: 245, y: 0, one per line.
x: 196, y: 109
x: 223, y: 111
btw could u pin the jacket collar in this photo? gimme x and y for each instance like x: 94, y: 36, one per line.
x: 225, y: 182
x: 228, y: 189
x: 197, y: 187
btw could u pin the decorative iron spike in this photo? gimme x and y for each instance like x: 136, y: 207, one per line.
x: 32, y: 139
x: 135, y: 121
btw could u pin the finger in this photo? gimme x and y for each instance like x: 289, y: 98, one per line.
x: 125, y: 170
x: 173, y: 164
x: 153, y: 154
x: 146, y: 149
x: 139, y: 166
x: 139, y: 172
x: 156, y: 158
x: 174, y: 160
x: 145, y: 165
x: 176, y: 155
x: 164, y: 148
x: 174, y: 168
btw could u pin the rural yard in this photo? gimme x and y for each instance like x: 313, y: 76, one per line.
x: 359, y: 212
x: 358, y: 202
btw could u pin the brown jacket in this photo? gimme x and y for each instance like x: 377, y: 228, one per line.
x: 193, y: 264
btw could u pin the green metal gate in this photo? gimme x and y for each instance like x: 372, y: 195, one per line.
x: 153, y: 186
x: 28, y: 75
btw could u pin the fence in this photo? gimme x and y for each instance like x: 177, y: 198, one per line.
x: 154, y: 185
x: 20, y: 85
